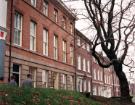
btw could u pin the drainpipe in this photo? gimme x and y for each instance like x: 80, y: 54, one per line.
x: 91, y: 73
x: 75, y: 58
x: 10, y: 43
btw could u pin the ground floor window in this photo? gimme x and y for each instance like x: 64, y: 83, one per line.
x: 16, y: 73
x: 79, y: 84
x: 45, y: 78
x: 32, y: 71
x: 89, y: 86
x: 94, y: 90
x: 84, y: 86
x: 71, y: 82
x: 64, y: 81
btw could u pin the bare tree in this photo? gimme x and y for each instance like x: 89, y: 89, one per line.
x: 114, y: 23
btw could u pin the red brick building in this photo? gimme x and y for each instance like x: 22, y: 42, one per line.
x: 90, y: 77
x: 83, y: 63
x: 132, y: 89
x: 40, y: 41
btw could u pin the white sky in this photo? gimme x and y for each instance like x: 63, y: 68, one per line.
x: 77, y: 6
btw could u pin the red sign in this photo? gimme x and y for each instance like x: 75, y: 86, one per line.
x: 1, y: 34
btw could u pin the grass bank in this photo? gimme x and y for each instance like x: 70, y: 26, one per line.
x: 40, y: 96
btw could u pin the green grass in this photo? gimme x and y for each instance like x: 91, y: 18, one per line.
x: 40, y: 96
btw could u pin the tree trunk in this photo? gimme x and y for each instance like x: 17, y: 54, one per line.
x: 124, y: 87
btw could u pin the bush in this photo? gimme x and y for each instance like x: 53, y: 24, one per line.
x: 39, y: 96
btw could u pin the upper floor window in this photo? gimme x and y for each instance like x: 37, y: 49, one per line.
x: 71, y: 55
x: 45, y: 8
x: 78, y: 41
x: 33, y: 3
x: 79, y: 62
x: 95, y: 74
x: 55, y: 15
x: 45, y: 42
x: 84, y: 64
x: 32, y: 36
x: 88, y: 47
x: 98, y: 75
x: 55, y: 47
x: 64, y: 22
x: 71, y: 28
x: 64, y: 51
x: 83, y: 46
x: 101, y: 76
x: 18, y: 29
x: 88, y: 66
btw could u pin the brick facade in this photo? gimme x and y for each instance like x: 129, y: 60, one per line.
x: 103, y: 82
x: 46, y: 44
x: 35, y: 62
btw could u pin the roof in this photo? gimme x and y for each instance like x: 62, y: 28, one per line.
x: 82, y: 36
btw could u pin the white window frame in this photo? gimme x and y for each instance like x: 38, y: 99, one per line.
x: 89, y: 86
x: 95, y: 75
x: 79, y: 84
x: 18, y: 73
x: 71, y: 28
x: 55, y: 15
x: 45, y: 8
x: 33, y: 72
x: 84, y: 86
x: 33, y: 36
x: 78, y: 41
x: 79, y: 62
x: 64, y: 22
x: 71, y: 82
x: 45, y: 78
x: 17, y: 29
x: 84, y: 64
x: 64, y: 81
x: 83, y: 45
x: 94, y: 90
x: 101, y: 78
x: 88, y: 47
x: 55, y: 47
x: 64, y: 51
x: 33, y: 3
x: 45, y: 42
x: 88, y: 66
x: 98, y: 73
x: 71, y: 55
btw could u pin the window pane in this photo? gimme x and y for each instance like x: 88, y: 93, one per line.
x: 32, y: 36
x: 33, y: 2
x: 17, y: 28
x: 45, y: 8
x: 45, y: 42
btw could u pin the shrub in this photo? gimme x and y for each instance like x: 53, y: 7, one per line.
x: 39, y: 96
